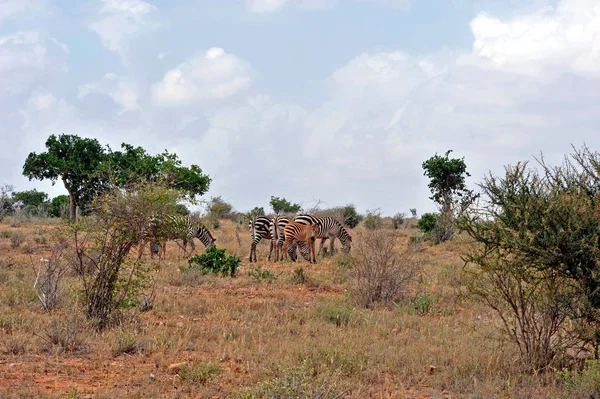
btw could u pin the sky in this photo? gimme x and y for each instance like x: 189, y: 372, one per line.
x: 337, y: 101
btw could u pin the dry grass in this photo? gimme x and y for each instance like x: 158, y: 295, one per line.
x: 247, y: 337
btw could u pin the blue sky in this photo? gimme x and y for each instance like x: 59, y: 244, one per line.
x: 332, y: 100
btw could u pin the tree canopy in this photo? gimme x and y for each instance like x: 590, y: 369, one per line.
x: 280, y: 205
x: 87, y: 169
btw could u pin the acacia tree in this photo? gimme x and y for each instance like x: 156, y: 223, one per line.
x: 448, y: 186
x: 87, y: 169
x: 72, y: 159
x: 282, y: 205
x: 536, y: 262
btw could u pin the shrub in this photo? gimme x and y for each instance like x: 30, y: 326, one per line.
x: 398, y: 220
x: 379, y: 272
x: 199, y: 373
x: 299, y: 277
x: 49, y: 276
x: 351, y: 217
x: 427, y: 222
x: 258, y: 274
x: 112, y: 277
x: 17, y: 238
x: 214, y: 261
x: 373, y: 220
x: 337, y: 313
x: 65, y: 335
x: 291, y: 383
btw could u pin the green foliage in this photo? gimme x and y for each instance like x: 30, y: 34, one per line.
x: 447, y: 180
x: 351, y: 217
x: 259, y: 275
x: 72, y: 159
x: 112, y: 278
x: 6, y: 200
x: 220, y: 209
x: 373, y: 220
x: 257, y: 211
x: 59, y: 206
x: 280, y: 205
x: 299, y: 277
x: 87, y: 169
x: 134, y: 165
x: 338, y: 313
x: 428, y: 222
x: 539, y: 235
x: 31, y: 198
x: 419, y: 304
x: 214, y: 261
x: 448, y: 185
x: 199, y: 373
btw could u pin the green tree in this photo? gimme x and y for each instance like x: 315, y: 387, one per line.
x: 58, y: 205
x: 545, y: 225
x: 219, y: 209
x: 31, y: 198
x: 112, y: 276
x: 87, y: 169
x: 280, y: 205
x: 72, y: 159
x: 447, y: 183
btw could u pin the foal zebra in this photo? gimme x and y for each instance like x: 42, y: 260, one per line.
x: 180, y: 227
x: 330, y: 228
x: 301, y: 233
x: 262, y: 227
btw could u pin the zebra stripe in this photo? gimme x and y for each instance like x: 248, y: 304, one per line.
x: 261, y: 228
x: 300, y: 233
x: 328, y: 228
x: 181, y: 227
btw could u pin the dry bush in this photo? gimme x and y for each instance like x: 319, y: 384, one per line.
x: 17, y: 238
x: 49, y: 275
x: 380, y: 273
x: 65, y: 335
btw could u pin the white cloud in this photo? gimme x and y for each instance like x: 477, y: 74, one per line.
x: 122, y: 91
x: 565, y: 36
x: 271, y: 6
x: 13, y: 8
x: 27, y: 58
x: 214, y: 76
x: 123, y: 21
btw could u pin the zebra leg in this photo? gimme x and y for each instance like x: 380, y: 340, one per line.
x: 252, y: 249
x: 332, y: 239
x: 311, y: 249
x: 321, y: 246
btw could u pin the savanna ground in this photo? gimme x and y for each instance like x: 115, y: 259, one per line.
x: 255, y: 334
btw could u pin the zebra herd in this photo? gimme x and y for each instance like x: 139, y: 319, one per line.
x: 284, y: 235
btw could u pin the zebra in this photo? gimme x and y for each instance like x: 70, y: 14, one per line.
x: 301, y: 233
x: 174, y: 227
x: 277, y: 226
x: 329, y: 228
x: 260, y: 228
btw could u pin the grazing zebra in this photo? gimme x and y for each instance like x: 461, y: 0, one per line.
x: 301, y: 233
x: 260, y: 228
x: 328, y: 228
x: 179, y: 227
x: 277, y: 226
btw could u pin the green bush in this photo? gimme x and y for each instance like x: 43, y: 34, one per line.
x: 199, y: 373
x: 373, y: 220
x: 428, y: 222
x: 259, y: 275
x: 351, y: 217
x: 214, y: 261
